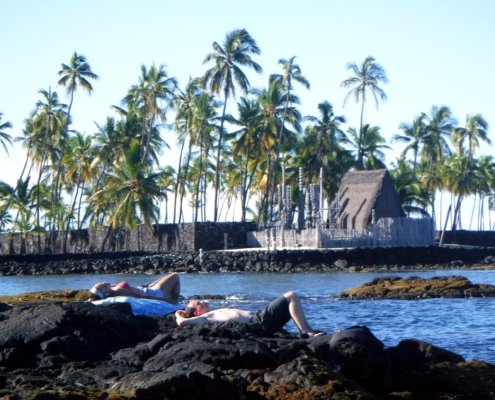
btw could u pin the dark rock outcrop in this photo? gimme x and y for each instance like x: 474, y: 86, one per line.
x: 80, y: 351
x: 414, y: 288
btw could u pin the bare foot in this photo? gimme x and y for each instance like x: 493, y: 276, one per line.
x: 315, y: 333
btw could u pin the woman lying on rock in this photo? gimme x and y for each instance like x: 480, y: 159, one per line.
x: 164, y: 289
x: 272, y: 318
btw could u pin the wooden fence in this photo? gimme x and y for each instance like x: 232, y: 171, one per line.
x: 386, y: 232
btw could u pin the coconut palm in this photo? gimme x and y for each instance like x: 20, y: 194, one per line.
x: 414, y: 135
x: 365, y: 79
x: 166, y: 183
x: 183, y: 125
x: 27, y: 139
x: 371, y: 147
x: 203, y: 125
x: 473, y: 132
x: 328, y: 132
x: 236, y: 51
x: 272, y: 102
x: 155, y: 89
x: 132, y: 186
x: 292, y: 72
x: 73, y: 75
x: 439, y: 124
x: 50, y: 118
x: 5, y: 137
x: 247, y: 145
x: 408, y: 187
x: 79, y: 163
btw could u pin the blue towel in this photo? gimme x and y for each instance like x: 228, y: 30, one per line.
x: 143, y: 306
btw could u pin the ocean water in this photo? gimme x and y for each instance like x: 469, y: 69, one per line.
x: 465, y: 326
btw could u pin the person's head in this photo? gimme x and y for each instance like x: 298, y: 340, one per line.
x: 100, y: 291
x: 196, y: 308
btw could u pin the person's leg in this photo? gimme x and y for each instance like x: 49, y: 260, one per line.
x: 297, y: 313
x: 170, y: 286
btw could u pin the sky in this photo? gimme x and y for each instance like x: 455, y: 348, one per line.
x: 434, y: 53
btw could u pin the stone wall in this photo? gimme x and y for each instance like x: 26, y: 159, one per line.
x: 468, y: 238
x: 288, y: 261
x: 168, y: 237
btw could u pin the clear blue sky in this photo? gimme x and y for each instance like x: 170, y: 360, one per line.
x: 434, y: 52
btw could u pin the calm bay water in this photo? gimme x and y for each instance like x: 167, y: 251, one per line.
x: 465, y: 326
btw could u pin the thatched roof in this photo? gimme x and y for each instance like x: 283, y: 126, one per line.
x: 362, y: 191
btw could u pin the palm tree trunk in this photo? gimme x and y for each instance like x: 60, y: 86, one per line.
x: 415, y: 160
x: 244, y: 189
x: 472, y: 213
x: 66, y: 235
x: 178, y: 178
x: 360, y: 150
x: 217, y: 172
x: 313, y: 167
x: 428, y: 182
x: 62, y: 152
x: 200, y: 170
x: 248, y: 187
x: 149, y: 139
x: 184, y: 181
x: 279, y: 145
x: 267, y: 192
x: 96, y: 189
x: 461, y: 188
x: 39, y: 180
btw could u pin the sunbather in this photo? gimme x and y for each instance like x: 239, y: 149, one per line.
x: 164, y: 289
x: 272, y: 318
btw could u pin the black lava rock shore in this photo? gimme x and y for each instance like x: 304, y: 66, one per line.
x: 79, y: 351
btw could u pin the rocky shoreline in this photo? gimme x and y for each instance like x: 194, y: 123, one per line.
x: 286, y: 261
x: 78, y: 351
x: 415, y: 288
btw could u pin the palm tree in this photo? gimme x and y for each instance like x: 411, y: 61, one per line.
x: 166, y: 183
x: 366, y: 78
x: 79, y: 164
x: 408, y: 187
x: 27, y: 142
x: 154, y: 88
x: 439, y: 123
x: 329, y: 134
x: 414, y: 134
x: 292, y: 72
x: 272, y: 101
x: 131, y: 187
x: 247, y: 143
x: 73, y: 75
x: 236, y: 50
x: 183, y: 124
x: 50, y: 117
x: 203, y: 124
x: 474, y: 131
x: 371, y: 144
x: 5, y: 137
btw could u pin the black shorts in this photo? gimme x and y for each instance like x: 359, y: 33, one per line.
x: 274, y: 316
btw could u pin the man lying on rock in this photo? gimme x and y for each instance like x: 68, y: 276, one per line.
x: 272, y: 318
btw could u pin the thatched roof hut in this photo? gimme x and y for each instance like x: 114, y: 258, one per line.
x: 360, y: 192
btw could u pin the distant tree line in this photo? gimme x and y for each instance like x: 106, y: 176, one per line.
x: 112, y: 177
